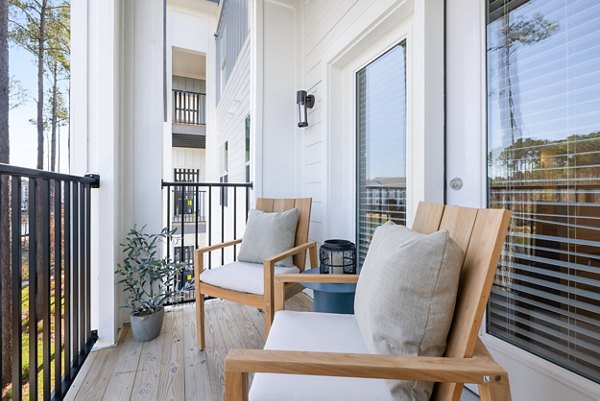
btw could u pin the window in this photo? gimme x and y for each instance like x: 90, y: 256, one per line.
x: 381, y: 145
x: 224, y: 173
x: 543, y: 73
x: 247, y: 143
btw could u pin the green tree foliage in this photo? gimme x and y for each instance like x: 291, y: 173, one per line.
x: 543, y: 159
x: 17, y: 95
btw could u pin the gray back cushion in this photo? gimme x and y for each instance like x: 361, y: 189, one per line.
x: 268, y: 234
x: 405, y: 297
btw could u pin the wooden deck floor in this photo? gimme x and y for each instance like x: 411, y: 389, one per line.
x: 171, y: 367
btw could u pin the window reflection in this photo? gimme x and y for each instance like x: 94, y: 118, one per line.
x: 381, y: 144
x: 543, y: 62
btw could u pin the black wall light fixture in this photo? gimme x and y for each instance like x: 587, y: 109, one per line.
x: 304, y: 102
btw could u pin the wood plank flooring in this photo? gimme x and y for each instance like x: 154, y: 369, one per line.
x: 171, y: 367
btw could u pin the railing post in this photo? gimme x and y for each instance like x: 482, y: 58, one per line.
x: 33, y: 357
x: 17, y: 329
x: 57, y: 286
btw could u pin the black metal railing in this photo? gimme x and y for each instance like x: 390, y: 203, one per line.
x: 189, y: 107
x: 45, y: 277
x: 199, y: 216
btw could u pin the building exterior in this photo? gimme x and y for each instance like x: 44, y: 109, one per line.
x: 474, y: 103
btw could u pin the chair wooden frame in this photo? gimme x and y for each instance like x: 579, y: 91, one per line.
x: 481, y: 233
x: 265, y: 301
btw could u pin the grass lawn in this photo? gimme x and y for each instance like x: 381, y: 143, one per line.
x: 7, y: 391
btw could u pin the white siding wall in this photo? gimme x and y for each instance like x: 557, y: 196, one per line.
x: 276, y: 66
x: 190, y: 30
x: 190, y: 158
x: 231, y: 113
x: 339, y: 38
x: 232, y: 110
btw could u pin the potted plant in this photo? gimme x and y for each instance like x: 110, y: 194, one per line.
x: 148, y: 281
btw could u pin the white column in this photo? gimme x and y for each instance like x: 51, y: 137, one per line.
x: 427, y: 148
x: 95, y: 131
x: 117, y: 132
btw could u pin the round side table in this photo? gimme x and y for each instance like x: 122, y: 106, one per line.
x: 331, y: 297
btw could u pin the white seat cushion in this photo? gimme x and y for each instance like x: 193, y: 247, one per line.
x: 241, y: 276
x: 310, y: 331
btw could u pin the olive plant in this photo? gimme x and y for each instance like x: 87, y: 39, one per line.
x: 147, y: 278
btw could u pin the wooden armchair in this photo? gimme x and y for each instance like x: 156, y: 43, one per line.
x: 264, y: 300
x: 481, y: 233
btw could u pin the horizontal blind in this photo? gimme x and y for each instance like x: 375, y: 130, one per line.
x: 543, y: 61
x: 381, y: 145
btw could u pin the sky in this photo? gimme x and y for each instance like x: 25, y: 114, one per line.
x: 23, y: 134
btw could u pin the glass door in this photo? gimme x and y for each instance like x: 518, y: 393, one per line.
x: 381, y: 144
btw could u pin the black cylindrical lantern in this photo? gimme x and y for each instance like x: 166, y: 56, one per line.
x: 304, y: 101
x: 338, y: 256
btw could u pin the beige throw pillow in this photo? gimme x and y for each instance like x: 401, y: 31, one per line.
x: 405, y: 297
x: 268, y: 234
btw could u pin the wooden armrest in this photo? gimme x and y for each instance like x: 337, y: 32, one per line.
x: 219, y: 246
x: 316, y: 278
x: 290, y: 252
x: 479, y: 370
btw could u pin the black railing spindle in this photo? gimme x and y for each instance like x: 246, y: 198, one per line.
x: 75, y: 275
x: 45, y: 285
x: 17, y: 279
x: 57, y: 286
x: 209, y: 226
x: 33, y: 234
x: 88, y: 262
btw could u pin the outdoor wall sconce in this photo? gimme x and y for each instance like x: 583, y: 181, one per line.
x: 304, y: 101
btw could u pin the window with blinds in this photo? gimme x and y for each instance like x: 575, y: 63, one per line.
x: 543, y: 62
x: 381, y: 145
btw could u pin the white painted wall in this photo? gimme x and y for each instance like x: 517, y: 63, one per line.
x: 340, y: 38
x: 190, y: 158
x: 191, y: 30
x: 275, y: 70
x: 231, y: 113
x: 531, y: 377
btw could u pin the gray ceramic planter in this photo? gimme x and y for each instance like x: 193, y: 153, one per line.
x: 146, y: 328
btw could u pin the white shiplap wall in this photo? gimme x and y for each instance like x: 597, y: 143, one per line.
x: 231, y: 113
x: 190, y: 158
x: 232, y: 110
x: 336, y: 35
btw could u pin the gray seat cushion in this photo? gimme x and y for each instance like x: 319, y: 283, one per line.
x: 242, y: 276
x: 268, y: 234
x: 405, y: 297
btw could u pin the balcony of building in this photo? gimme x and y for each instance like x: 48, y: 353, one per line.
x: 189, y: 111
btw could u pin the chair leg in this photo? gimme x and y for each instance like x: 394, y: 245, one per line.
x: 200, y: 319
x: 268, y: 317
